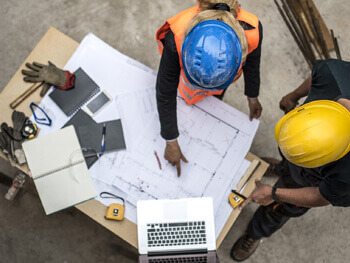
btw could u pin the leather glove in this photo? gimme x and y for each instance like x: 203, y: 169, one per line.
x: 6, y: 144
x: 44, y: 89
x: 18, y: 120
x: 51, y: 75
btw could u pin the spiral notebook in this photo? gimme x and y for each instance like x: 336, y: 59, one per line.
x: 59, y: 170
x: 70, y: 101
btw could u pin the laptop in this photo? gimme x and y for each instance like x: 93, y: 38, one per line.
x: 180, y: 230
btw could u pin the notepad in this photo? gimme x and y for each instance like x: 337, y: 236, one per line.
x: 70, y: 101
x: 59, y: 170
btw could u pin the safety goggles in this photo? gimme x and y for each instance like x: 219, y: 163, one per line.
x: 40, y: 115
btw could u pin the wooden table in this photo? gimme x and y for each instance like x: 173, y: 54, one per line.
x: 58, y: 48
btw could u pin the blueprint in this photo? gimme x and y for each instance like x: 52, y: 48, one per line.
x: 214, y: 137
x: 214, y: 145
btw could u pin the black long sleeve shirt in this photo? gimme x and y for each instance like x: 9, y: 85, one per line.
x: 168, y: 80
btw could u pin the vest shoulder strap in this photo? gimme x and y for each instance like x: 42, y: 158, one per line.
x: 247, y: 17
x: 179, y: 22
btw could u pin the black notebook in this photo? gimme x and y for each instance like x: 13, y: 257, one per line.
x: 70, y: 101
x: 81, y: 118
x: 90, y: 136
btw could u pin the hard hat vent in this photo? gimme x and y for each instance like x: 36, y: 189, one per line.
x: 211, y: 55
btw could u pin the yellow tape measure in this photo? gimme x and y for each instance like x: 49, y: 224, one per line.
x: 236, y: 198
x: 114, y: 211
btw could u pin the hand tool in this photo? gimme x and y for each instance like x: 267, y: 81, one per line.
x: 235, y: 198
x: 25, y: 95
x: 114, y: 211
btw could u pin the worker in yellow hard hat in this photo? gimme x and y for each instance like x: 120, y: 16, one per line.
x: 314, y: 140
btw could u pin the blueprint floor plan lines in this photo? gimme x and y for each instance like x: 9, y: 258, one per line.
x: 214, y: 137
x: 211, y: 143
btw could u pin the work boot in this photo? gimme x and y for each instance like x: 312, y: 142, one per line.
x: 244, y: 247
x: 271, y: 171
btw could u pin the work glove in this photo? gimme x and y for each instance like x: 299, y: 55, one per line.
x: 44, y: 89
x: 6, y: 144
x: 50, y: 75
x: 18, y: 120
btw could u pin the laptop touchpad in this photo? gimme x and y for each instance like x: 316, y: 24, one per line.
x: 175, y: 210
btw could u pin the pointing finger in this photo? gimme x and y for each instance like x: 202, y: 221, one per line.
x: 178, y: 168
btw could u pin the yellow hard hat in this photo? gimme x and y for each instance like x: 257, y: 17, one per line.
x: 314, y: 134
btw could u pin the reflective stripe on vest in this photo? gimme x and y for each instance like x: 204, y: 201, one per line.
x: 177, y: 24
x: 182, y: 89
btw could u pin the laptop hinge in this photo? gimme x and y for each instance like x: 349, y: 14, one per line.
x: 178, y: 252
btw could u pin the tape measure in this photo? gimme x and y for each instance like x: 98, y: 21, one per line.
x: 114, y: 211
x: 236, y: 198
x: 29, y: 129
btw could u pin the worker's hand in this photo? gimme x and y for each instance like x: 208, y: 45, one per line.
x: 262, y: 195
x: 289, y: 102
x: 47, y: 73
x: 173, y: 155
x: 255, y: 108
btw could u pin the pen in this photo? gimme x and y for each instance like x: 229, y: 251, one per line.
x: 103, y: 143
x: 158, y: 160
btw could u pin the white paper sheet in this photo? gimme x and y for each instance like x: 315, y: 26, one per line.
x: 137, y: 110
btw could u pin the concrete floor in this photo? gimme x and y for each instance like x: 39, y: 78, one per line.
x: 27, y: 235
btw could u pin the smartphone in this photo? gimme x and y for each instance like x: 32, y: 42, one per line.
x: 97, y: 103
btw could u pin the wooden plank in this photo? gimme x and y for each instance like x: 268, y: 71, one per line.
x: 54, y: 46
x: 257, y: 175
x: 125, y: 229
x: 254, y: 164
x: 325, y: 31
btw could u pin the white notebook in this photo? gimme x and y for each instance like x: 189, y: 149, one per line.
x: 59, y: 170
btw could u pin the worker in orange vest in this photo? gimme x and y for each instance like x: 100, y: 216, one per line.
x: 204, y: 49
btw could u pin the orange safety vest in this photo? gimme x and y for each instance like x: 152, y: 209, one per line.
x: 178, y: 23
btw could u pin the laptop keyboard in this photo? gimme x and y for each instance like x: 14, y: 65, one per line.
x: 180, y: 260
x: 176, y: 234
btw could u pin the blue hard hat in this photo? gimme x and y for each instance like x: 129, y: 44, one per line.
x: 211, y: 55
